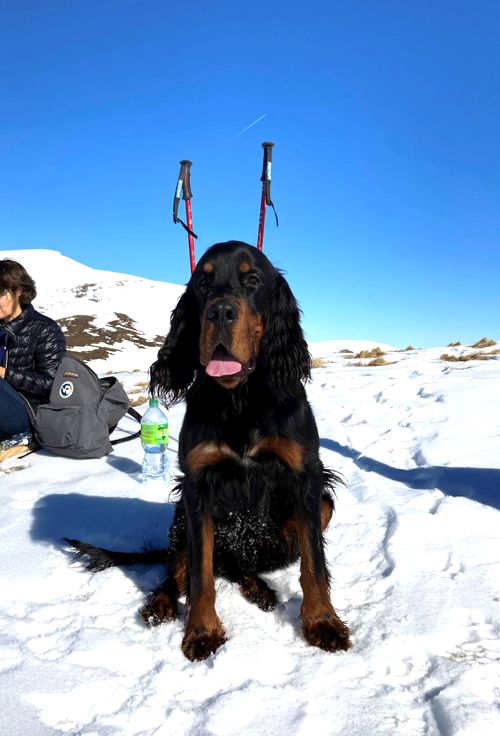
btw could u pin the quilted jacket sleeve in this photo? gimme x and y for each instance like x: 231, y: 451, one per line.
x: 48, y: 346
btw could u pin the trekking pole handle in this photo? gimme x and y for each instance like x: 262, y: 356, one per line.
x: 185, y: 175
x: 268, y: 157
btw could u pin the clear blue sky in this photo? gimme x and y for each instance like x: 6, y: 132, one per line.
x: 386, y: 170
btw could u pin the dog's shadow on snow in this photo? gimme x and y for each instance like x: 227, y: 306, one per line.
x: 122, y: 524
x: 477, y: 484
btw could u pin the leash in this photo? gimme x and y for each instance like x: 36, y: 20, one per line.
x: 184, y: 187
x: 266, y: 192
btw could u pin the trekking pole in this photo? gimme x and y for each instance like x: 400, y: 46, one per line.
x: 184, y: 187
x: 266, y: 191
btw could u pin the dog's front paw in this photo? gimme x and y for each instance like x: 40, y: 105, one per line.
x: 199, y: 643
x: 327, y: 632
x: 160, y: 607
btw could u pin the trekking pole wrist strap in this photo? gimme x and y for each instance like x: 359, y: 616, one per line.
x: 183, y: 188
x: 266, y: 175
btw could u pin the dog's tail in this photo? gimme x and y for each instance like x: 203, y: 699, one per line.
x: 99, y: 558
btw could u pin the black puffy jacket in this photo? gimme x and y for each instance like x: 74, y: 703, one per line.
x: 35, y: 345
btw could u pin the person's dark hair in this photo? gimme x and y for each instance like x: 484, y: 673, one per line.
x: 13, y: 276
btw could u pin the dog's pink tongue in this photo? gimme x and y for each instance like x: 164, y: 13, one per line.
x: 222, y: 365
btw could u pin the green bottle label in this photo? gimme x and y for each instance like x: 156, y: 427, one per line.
x: 154, y: 434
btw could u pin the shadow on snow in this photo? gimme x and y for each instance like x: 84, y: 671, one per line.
x: 122, y: 524
x: 477, y: 484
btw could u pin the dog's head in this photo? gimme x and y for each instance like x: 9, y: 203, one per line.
x: 236, y: 318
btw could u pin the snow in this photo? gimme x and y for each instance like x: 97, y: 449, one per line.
x: 413, y: 548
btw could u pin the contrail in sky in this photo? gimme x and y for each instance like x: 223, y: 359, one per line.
x: 244, y: 130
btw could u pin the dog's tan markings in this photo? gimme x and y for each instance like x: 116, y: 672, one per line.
x: 289, y: 528
x: 208, y: 267
x: 321, y: 625
x: 326, y: 512
x: 245, y: 267
x: 206, y: 454
x: 208, y: 340
x: 202, y: 605
x: 288, y: 451
x: 204, y: 631
x: 180, y: 573
x: 164, y: 603
x: 247, y: 333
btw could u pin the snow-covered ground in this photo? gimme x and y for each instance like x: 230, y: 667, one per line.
x: 414, y: 550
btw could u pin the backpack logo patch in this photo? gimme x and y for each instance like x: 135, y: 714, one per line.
x: 66, y: 389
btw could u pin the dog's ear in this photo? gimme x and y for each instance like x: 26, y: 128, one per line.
x: 284, y: 349
x: 178, y: 358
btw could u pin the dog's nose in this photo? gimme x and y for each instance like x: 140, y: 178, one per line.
x: 223, y: 312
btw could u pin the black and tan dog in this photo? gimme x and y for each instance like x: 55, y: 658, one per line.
x: 255, y: 495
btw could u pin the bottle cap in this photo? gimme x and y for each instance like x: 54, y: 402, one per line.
x: 153, y: 403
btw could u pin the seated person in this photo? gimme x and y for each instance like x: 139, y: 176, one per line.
x: 31, y: 348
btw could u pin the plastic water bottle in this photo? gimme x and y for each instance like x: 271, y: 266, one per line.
x: 154, y: 439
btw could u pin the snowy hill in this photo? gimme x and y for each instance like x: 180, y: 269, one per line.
x: 413, y: 549
x: 109, y: 319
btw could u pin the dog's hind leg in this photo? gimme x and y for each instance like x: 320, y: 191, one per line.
x: 163, y: 603
x: 254, y: 588
x: 257, y: 591
x: 326, y: 510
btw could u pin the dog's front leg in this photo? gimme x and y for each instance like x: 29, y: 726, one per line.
x: 321, y: 625
x: 204, y: 632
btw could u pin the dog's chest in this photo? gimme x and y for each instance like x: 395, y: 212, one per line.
x: 247, y: 533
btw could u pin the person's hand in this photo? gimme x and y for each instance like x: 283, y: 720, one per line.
x: 2, y: 372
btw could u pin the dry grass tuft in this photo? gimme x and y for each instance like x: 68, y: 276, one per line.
x: 137, y: 395
x: 374, y: 353
x: 137, y: 400
x: 484, y: 342
x: 469, y: 356
x: 374, y: 363
x: 318, y: 362
x: 381, y: 361
x: 375, y: 356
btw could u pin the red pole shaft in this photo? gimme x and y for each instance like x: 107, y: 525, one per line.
x: 262, y: 219
x: 189, y: 220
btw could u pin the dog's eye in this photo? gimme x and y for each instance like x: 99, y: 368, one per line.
x: 252, y: 280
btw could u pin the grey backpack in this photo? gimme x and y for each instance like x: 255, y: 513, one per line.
x: 82, y: 411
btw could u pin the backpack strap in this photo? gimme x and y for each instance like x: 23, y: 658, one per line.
x: 135, y: 415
